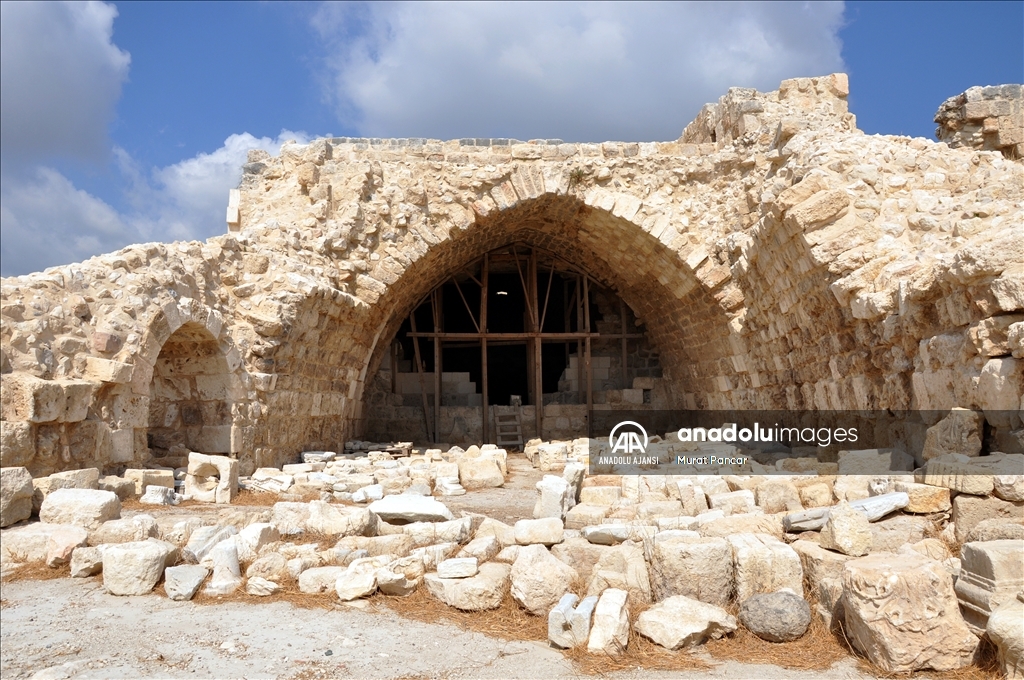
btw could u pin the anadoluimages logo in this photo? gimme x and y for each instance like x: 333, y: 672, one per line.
x: 628, y: 441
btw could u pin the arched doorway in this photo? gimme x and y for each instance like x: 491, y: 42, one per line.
x: 190, y: 405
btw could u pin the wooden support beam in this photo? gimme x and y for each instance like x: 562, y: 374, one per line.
x: 581, y: 399
x: 394, y: 366
x: 419, y: 372
x: 483, y: 349
x: 515, y: 336
x: 625, y: 348
x: 590, y: 372
x: 538, y: 381
x: 435, y: 305
x: 469, y: 311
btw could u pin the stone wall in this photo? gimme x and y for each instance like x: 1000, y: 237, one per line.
x: 990, y: 118
x: 786, y: 261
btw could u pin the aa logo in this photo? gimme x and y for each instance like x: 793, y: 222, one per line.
x: 628, y: 441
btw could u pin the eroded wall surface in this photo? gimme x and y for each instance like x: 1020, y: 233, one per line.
x: 777, y: 256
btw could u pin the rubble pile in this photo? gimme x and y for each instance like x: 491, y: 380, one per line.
x: 697, y: 556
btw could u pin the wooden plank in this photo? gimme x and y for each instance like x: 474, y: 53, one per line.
x: 538, y: 381
x: 394, y: 366
x: 581, y: 398
x: 519, y: 336
x: 419, y: 372
x: 472, y: 317
x: 483, y: 349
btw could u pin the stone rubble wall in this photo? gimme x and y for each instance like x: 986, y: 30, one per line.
x: 793, y: 263
x: 989, y: 118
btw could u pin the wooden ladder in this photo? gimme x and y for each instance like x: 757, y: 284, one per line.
x: 509, y: 428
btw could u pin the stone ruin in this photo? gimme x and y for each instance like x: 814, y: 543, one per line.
x: 773, y: 257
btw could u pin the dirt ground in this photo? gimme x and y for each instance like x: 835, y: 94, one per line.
x: 70, y: 628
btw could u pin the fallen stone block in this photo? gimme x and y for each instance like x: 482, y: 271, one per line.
x: 969, y: 511
x: 1006, y: 631
x: 251, y: 540
x: 204, y: 539
x: 159, y: 495
x: 86, y: 508
x: 613, y: 534
x: 991, y: 574
x: 482, y: 549
x: 87, y: 561
x: 261, y: 587
x: 889, y: 535
x: 124, y: 488
x: 477, y: 593
x: 555, y: 498
x: 547, y: 531
x: 601, y: 495
x: 359, y: 579
x: 406, y: 508
x: 134, y: 568
x: 734, y: 502
x: 874, y: 462
x: 778, y: 495
x: 227, y: 574
x: 710, y: 525
x: 925, y: 498
x: 928, y: 633
x: 320, y: 579
x: 776, y: 617
x: 271, y: 566
x: 959, y: 432
x: 16, y: 492
x: 135, y: 528
x: 457, y: 567
x: 957, y: 476
x: 338, y: 520
x: 539, y: 579
x: 144, y: 478
x: 693, y: 568
x: 182, y: 582
x: 847, y: 531
x: 480, y: 473
x: 679, y: 621
x: 568, y: 624
x: 609, y: 633
x: 61, y: 544
x: 552, y: 457
x: 622, y: 567
x: 211, y: 479
x: 585, y: 514
x: 819, y: 564
x: 873, y: 507
x: 997, y: 529
x: 764, y: 564
x: 290, y: 518
x: 430, y: 533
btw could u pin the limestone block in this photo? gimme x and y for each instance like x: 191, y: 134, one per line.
x: 87, y: 561
x: 609, y: 633
x: 551, y: 457
x: 105, y: 370
x: 62, y: 543
x: 924, y: 498
x: 401, y: 577
x: 776, y: 617
x: 480, y: 473
x: 337, y: 520
x: 874, y: 462
x: 211, y: 479
x: 182, y: 582
x: 17, y: 443
x: 555, y: 498
x: 124, y: 488
x: 15, y: 495
x: 692, y: 498
x: 997, y: 529
x: 290, y: 518
x: 546, y: 531
x: 847, y: 531
x: 891, y: 534
x: 127, y: 530
x: 819, y: 564
x: 711, y: 526
x: 477, y: 593
x: 613, y: 534
x: 144, y: 478
x: 205, y: 539
x: 600, y: 495
x: 679, y: 622
x: 991, y: 574
x: 969, y: 511
x: 482, y: 549
x: 580, y: 554
x: 778, y: 495
x: 623, y: 567
x: 458, y: 567
x: 574, y: 473
x: 433, y: 555
x: 271, y: 566
x: 539, y: 579
x: 734, y: 502
x: 815, y: 496
x: 901, y: 612
x: 86, y: 508
x: 959, y: 432
x: 872, y: 507
x: 159, y: 495
x: 398, y: 545
x: 320, y: 579
x: 134, y: 568
x: 1006, y: 630
x: 227, y: 573
x: 253, y: 538
x: 585, y: 514
x: 820, y: 209
x: 27, y: 398
x: 693, y: 568
x: 569, y: 624
x: 764, y: 564
x: 261, y: 587
x: 1000, y: 387
x: 405, y: 508
x: 428, y: 533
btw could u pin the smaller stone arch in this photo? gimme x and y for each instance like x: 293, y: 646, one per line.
x: 197, y: 398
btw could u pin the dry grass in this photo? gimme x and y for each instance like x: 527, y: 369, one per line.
x: 985, y: 667
x: 816, y: 650
x: 37, y: 571
x: 289, y: 593
x: 509, y: 621
x: 639, y: 653
x: 133, y: 504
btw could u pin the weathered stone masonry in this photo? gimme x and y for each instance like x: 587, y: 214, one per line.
x: 776, y: 256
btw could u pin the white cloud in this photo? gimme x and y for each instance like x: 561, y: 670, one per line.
x: 47, y: 221
x: 61, y: 78
x: 577, y: 71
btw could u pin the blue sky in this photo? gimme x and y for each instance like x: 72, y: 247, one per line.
x: 128, y: 122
